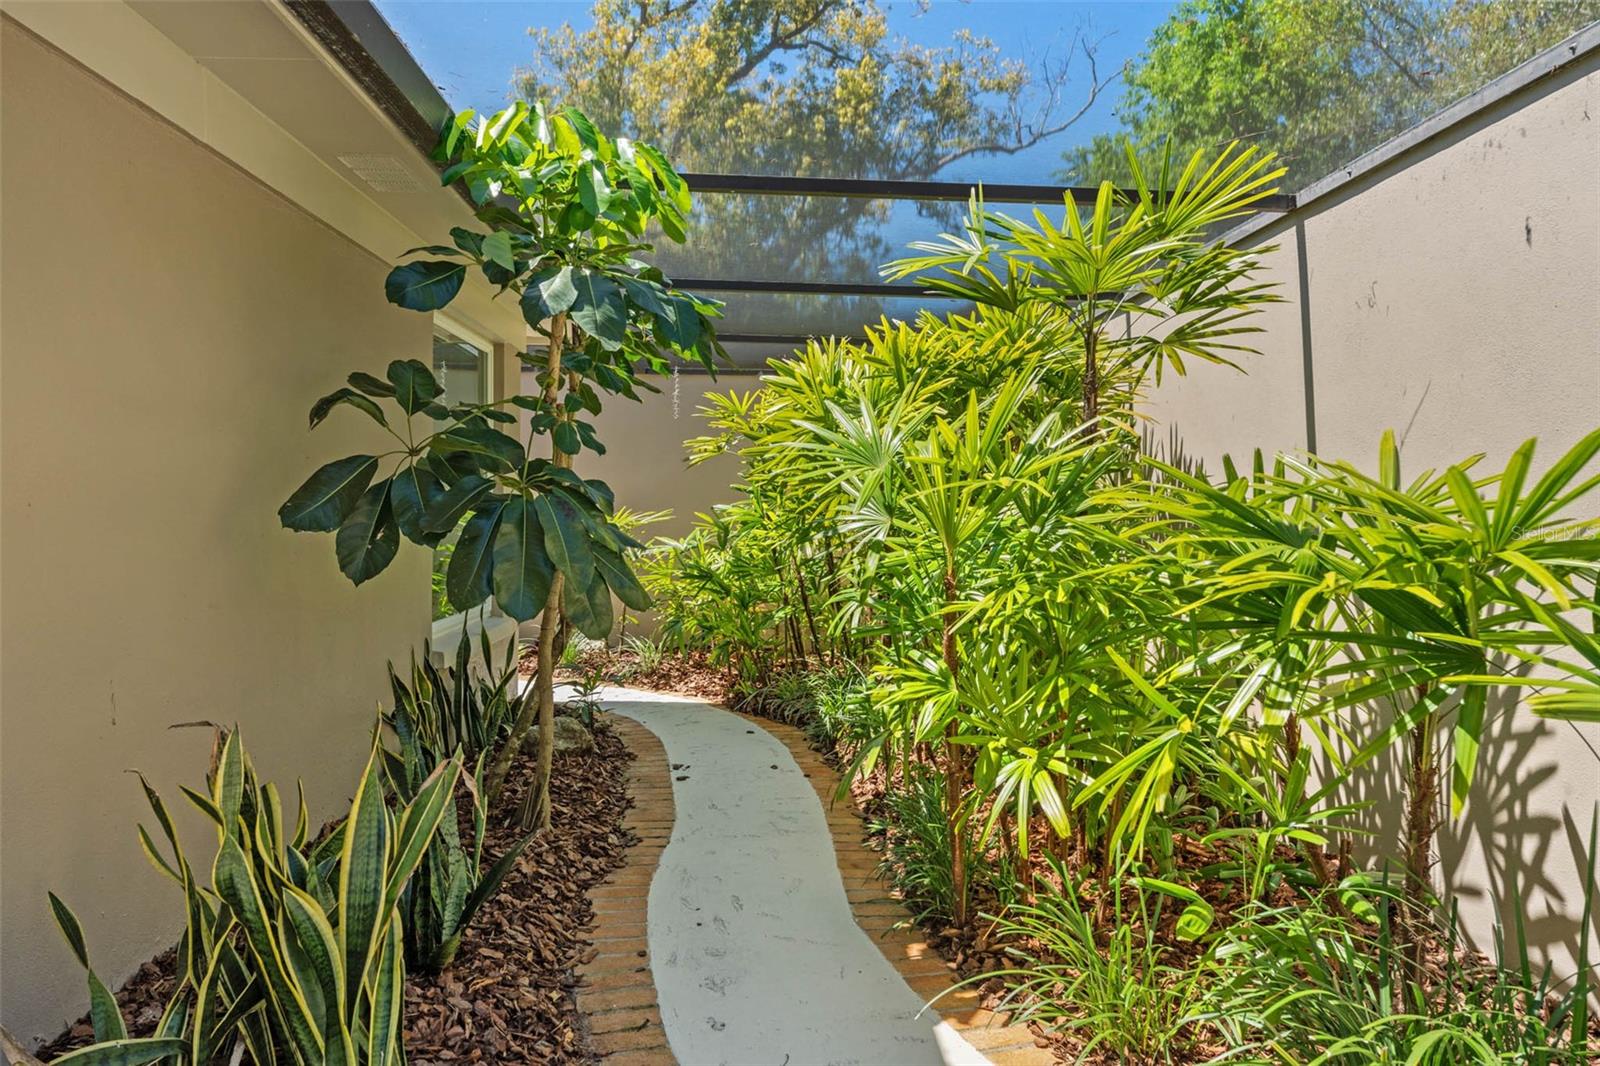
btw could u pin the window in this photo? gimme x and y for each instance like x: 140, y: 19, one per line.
x: 461, y: 363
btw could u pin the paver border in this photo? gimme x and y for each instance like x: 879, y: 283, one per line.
x: 616, y: 989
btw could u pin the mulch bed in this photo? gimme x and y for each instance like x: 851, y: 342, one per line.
x: 508, y: 998
x: 676, y: 675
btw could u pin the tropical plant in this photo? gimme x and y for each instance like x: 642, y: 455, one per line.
x: 1438, y: 592
x: 294, y: 954
x: 1304, y: 983
x: 584, y: 703
x: 461, y: 709
x: 567, y: 209
x: 1107, y: 688
x: 1118, y: 989
x: 647, y: 652
x: 1148, y: 258
x: 443, y: 715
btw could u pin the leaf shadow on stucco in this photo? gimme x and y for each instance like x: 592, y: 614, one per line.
x: 1509, y: 850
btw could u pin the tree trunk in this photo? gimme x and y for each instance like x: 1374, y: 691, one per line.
x: 535, y: 811
x: 1314, y: 853
x: 790, y: 628
x: 805, y: 604
x: 1422, y: 795
x: 955, y: 764
x: 536, y: 806
x: 1091, y: 374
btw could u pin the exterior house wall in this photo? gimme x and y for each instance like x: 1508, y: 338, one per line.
x: 1451, y: 293
x: 646, y: 463
x: 167, y: 320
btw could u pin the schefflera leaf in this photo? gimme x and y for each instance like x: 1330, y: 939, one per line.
x: 523, y: 570
x: 415, y: 387
x: 588, y: 606
x: 469, y: 578
x: 415, y: 493
x: 328, y: 496
x: 369, y: 537
x: 426, y: 285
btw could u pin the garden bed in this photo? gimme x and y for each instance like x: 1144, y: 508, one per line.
x: 980, y: 950
x: 508, y: 998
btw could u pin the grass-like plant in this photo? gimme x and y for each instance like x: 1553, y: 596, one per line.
x: 1114, y: 986
x: 440, y: 715
x: 1305, y: 983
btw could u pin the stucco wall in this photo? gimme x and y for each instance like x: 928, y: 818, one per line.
x: 166, y: 322
x: 1452, y: 294
x: 646, y: 464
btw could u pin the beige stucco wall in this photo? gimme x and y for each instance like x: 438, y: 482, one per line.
x: 1453, y: 295
x: 166, y: 321
x: 646, y: 463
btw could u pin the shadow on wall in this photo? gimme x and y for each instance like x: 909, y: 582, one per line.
x: 1167, y: 446
x: 1509, y: 852
x: 1520, y: 850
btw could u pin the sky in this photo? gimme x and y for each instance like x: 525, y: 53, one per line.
x: 471, y: 49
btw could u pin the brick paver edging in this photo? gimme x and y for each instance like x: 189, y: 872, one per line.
x: 616, y: 991
x: 891, y: 926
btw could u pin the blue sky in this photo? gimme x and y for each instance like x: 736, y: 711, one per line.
x: 472, y: 47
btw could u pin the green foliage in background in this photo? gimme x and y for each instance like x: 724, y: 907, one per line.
x: 1319, y: 82
x: 1105, y: 686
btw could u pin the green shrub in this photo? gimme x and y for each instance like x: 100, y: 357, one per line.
x: 917, y: 854
x: 647, y: 653
x: 842, y: 715
x: 1308, y: 983
x: 1113, y: 984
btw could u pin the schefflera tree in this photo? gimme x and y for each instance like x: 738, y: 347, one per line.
x: 566, y: 210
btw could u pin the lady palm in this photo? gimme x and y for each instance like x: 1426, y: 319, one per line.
x: 1149, y: 257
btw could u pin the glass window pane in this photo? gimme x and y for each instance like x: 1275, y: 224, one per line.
x: 462, y: 367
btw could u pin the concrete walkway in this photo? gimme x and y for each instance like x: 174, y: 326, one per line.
x: 756, y: 956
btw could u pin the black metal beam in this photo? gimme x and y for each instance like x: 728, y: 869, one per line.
x: 916, y: 189
x: 788, y: 339
x: 811, y: 288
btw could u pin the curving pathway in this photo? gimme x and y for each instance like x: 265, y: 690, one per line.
x: 756, y: 956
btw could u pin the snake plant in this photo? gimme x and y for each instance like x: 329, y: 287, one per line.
x: 294, y: 954
x: 438, y: 714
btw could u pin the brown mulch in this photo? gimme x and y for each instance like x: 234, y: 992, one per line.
x: 676, y: 675
x: 143, y: 998
x: 685, y: 676
x: 508, y: 998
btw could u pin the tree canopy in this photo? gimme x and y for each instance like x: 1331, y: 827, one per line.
x: 808, y: 88
x: 804, y: 87
x: 1317, y: 81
